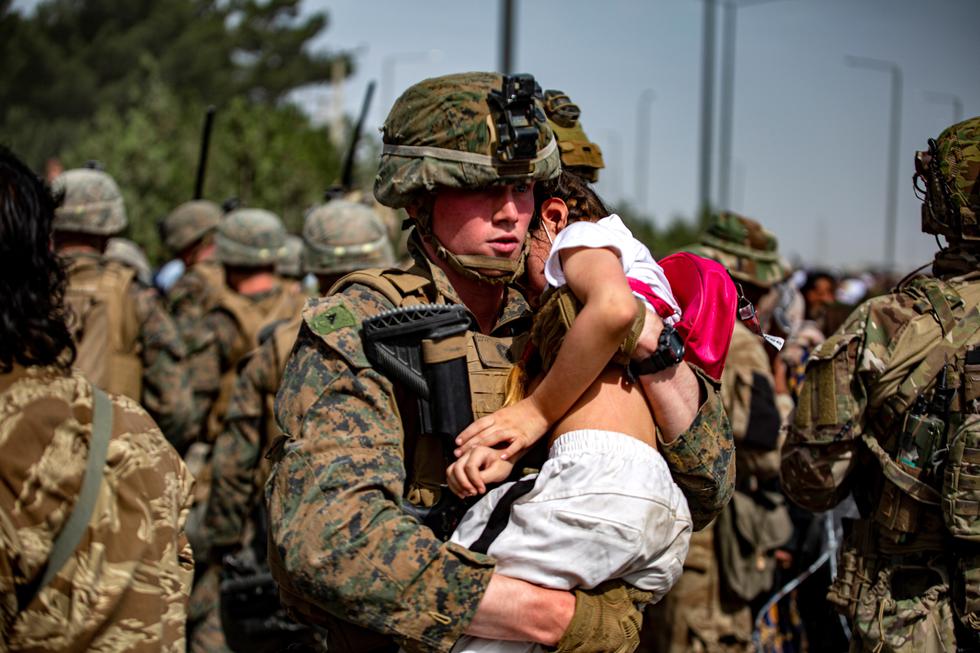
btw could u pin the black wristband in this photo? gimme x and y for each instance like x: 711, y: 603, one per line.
x: 670, y: 352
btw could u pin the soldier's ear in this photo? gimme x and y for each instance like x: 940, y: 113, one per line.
x: 554, y: 214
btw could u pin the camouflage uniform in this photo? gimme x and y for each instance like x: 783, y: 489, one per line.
x: 342, y: 549
x: 731, y: 563
x: 125, y: 587
x: 250, y: 239
x: 143, y: 353
x: 888, y: 411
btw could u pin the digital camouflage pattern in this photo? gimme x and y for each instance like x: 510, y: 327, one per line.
x: 744, y: 247
x: 126, y: 586
x: 452, y: 116
x: 188, y: 223
x: 129, y: 253
x: 250, y: 238
x: 846, y: 405
x: 92, y: 203
x: 578, y: 153
x: 341, y: 546
x: 150, y: 337
x: 290, y: 264
x: 342, y: 236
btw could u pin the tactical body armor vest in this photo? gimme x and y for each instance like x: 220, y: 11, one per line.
x: 923, y: 507
x: 105, y: 325
x: 489, y: 361
x: 251, y: 317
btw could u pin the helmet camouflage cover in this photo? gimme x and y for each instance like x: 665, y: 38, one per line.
x: 343, y: 236
x: 749, y: 251
x: 471, y: 131
x: 951, y: 203
x: 290, y: 263
x: 92, y: 203
x: 188, y: 223
x: 578, y: 153
x: 250, y: 238
x: 129, y: 253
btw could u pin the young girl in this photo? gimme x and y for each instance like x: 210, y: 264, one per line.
x: 603, y: 505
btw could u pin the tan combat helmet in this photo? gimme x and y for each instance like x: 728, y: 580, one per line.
x: 188, y: 223
x: 91, y: 204
x: 578, y: 153
x: 472, y: 131
x: 250, y: 238
x: 342, y: 236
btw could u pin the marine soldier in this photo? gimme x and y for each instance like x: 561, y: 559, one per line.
x: 578, y: 153
x: 732, y: 563
x: 461, y: 153
x: 888, y: 411
x: 92, y: 550
x: 338, y: 237
x: 126, y: 341
x: 248, y: 242
x: 188, y: 232
x: 289, y: 267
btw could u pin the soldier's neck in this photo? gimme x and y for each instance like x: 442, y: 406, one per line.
x: 253, y: 284
x: 484, y: 300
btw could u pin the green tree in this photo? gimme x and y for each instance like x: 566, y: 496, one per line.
x: 71, y: 59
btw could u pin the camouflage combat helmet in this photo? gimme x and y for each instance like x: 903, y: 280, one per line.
x: 578, y: 153
x: 92, y: 203
x: 250, y: 238
x: 343, y: 236
x: 950, y: 193
x: 749, y: 251
x: 132, y: 255
x: 188, y: 223
x: 469, y: 130
x: 290, y: 263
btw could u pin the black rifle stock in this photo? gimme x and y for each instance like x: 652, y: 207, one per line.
x: 424, y: 349
x: 202, y: 161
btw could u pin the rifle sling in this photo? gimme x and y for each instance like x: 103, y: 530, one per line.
x: 77, y: 523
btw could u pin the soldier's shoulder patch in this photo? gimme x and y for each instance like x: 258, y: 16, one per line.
x: 325, y: 321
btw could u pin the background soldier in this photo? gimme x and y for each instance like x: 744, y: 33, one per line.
x: 125, y: 583
x: 732, y: 563
x: 338, y: 237
x: 344, y: 552
x: 578, y: 153
x: 290, y: 266
x: 888, y: 411
x: 126, y: 341
x: 129, y: 253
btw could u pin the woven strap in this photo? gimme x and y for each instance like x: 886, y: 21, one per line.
x: 73, y: 530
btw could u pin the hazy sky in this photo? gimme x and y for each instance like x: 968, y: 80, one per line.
x: 810, y: 133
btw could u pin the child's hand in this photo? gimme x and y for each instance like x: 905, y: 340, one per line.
x: 469, y: 475
x: 520, y: 426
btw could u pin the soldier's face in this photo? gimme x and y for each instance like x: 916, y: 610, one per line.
x: 491, y: 222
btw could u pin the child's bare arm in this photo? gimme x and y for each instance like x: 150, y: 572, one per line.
x: 595, y: 276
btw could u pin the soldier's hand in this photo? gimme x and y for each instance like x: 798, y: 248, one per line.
x: 607, y: 619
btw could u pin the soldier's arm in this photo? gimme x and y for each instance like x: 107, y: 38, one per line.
x: 166, y: 392
x: 237, y: 450
x: 821, y: 447
x: 340, y: 539
x: 701, y: 459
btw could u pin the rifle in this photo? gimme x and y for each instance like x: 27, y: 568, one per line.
x: 202, y: 160
x: 338, y: 189
x: 424, y: 349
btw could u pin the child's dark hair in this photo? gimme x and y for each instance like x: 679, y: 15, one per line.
x: 582, y: 201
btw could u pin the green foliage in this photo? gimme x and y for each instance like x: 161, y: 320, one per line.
x: 661, y: 241
x: 267, y: 156
x: 72, y: 58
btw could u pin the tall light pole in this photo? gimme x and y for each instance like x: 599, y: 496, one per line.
x: 506, y: 36
x: 642, y: 179
x: 895, y: 127
x: 707, y: 104
x: 728, y: 32
x: 948, y: 98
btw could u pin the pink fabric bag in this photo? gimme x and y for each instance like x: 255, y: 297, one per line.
x: 709, y: 303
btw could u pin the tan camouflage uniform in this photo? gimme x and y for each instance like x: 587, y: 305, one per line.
x: 908, y: 570
x: 731, y: 563
x: 126, y: 586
